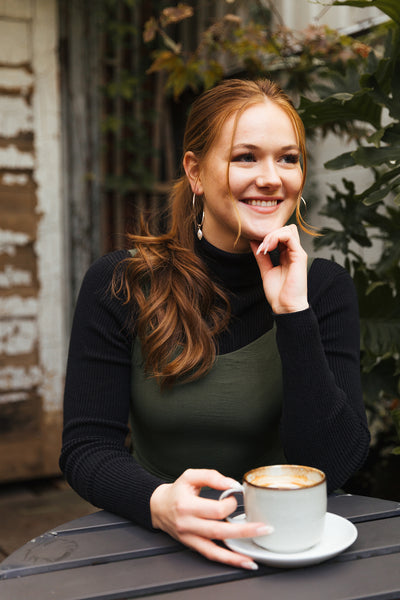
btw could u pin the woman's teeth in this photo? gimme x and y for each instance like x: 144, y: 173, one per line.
x: 263, y: 203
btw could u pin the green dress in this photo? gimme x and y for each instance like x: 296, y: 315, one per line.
x: 228, y: 420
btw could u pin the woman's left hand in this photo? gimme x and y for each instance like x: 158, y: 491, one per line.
x: 285, y: 286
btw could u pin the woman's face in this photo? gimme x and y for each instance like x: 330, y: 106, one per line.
x: 265, y: 177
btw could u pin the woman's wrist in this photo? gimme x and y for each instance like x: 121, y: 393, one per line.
x: 283, y: 310
x: 157, y: 502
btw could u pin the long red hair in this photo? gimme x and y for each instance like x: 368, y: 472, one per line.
x: 179, y: 310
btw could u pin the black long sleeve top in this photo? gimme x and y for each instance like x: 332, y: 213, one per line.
x: 323, y: 419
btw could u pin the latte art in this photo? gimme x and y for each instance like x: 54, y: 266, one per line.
x: 277, y: 484
x: 283, y: 485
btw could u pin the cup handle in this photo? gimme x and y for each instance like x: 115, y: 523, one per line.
x: 226, y: 493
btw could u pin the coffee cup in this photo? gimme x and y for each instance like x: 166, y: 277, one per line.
x: 292, y: 499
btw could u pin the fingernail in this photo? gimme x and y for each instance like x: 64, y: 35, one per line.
x: 264, y: 530
x: 259, y: 249
x: 249, y: 564
x: 266, y: 246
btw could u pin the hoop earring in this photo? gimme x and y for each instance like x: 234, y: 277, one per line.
x: 304, y: 202
x: 198, y: 225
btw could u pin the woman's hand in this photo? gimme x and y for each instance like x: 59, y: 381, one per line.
x: 285, y: 286
x: 177, y: 509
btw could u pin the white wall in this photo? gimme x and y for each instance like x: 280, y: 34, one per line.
x: 298, y: 14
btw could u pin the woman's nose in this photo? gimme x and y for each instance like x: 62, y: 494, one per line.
x: 268, y: 177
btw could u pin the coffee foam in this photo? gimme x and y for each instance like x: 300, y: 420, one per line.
x: 286, y: 483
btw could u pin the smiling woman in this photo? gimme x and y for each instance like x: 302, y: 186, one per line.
x: 221, y: 358
x: 251, y: 178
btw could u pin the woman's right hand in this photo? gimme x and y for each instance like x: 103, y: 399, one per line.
x: 177, y: 509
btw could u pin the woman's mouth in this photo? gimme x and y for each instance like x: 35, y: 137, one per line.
x: 261, y: 203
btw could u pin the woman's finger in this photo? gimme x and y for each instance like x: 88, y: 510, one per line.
x: 171, y: 504
x: 194, y: 521
x: 221, y: 530
x: 287, y: 235
x: 213, y: 509
x: 217, y: 553
x: 199, y: 478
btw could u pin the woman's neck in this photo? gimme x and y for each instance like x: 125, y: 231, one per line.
x: 234, y: 270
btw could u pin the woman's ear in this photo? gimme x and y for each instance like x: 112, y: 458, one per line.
x: 192, y: 170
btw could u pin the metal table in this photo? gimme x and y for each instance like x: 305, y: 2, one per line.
x: 102, y: 556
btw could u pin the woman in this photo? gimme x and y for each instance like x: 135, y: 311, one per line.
x: 223, y: 355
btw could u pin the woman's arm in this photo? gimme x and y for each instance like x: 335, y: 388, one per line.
x: 94, y: 457
x: 324, y: 421
x: 323, y: 418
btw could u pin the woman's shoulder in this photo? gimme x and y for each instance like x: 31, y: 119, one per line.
x: 98, y: 278
x: 325, y: 274
x: 327, y: 268
x: 108, y: 262
x: 96, y: 302
x: 102, y: 269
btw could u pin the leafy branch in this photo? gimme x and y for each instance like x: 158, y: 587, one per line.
x: 252, y: 46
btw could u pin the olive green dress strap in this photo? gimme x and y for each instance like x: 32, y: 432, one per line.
x: 227, y: 420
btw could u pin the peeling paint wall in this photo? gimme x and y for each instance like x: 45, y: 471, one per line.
x: 32, y: 332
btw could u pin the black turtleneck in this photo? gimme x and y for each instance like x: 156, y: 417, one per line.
x: 239, y: 275
x: 323, y: 418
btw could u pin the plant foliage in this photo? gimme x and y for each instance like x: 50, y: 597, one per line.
x: 252, y: 46
x: 372, y: 215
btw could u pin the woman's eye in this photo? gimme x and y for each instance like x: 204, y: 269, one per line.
x: 291, y: 159
x: 246, y: 157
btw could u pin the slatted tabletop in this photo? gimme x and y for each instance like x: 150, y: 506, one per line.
x: 102, y: 556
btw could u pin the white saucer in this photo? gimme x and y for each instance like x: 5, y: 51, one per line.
x: 338, y: 535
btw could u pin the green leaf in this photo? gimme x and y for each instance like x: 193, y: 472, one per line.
x: 165, y: 60
x: 378, y: 191
x: 341, y: 162
x: 374, y: 286
x: 380, y: 337
x: 385, y: 182
x: 392, y: 134
x: 395, y: 105
x: 376, y: 137
x: 395, y: 414
x: 374, y: 197
x: 389, y: 7
x: 372, y: 157
x: 341, y: 108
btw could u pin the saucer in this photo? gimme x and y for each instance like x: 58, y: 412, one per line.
x: 338, y: 534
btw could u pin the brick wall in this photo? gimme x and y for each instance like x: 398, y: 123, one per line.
x: 32, y: 337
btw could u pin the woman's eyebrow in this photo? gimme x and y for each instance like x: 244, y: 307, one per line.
x: 244, y: 145
x: 290, y: 147
x: 254, y: 147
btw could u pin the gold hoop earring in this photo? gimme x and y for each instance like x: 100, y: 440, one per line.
x: 198, y: 225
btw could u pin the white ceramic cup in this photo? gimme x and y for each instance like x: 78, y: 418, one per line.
x: 290, y: 498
